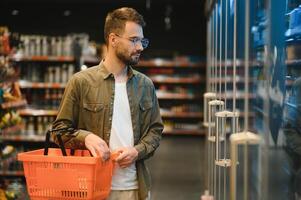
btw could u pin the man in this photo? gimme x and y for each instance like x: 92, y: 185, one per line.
x: 115, y: 108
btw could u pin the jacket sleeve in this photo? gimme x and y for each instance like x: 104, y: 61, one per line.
x: 151, y: 140
x: 67, y: 117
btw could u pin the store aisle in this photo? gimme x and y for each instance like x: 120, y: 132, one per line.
x: 177, y: 168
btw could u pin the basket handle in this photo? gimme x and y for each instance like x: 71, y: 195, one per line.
x: 61, y: 144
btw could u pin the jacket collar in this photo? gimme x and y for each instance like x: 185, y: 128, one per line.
x: 106, y: 74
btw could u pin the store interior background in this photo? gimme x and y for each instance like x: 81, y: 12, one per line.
x: 188, y: 62
x: 186, y: 36
x: 177, y: 168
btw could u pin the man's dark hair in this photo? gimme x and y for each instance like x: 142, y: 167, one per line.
x: 116, y: 20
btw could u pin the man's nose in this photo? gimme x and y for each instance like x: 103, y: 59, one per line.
x: 139, y: 46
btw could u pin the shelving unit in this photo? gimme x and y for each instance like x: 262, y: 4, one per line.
x: 23, y: 138
x: 11, y: 124
x: 13, y: 104
x: 179, y: 87
x: 8, y: 173
x: 37, y: 112
x: 185, y: 132
x: 42, y: 79
x: 41, y: 85
x: 165, y: 74
x: 170, y: 63
x: 165, y: 114
x: 171, y: 80
x: 63, y: 59
x: 45, y: 92
x: 12, y: 129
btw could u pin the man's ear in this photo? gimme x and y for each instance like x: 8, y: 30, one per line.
x: 112, y: 39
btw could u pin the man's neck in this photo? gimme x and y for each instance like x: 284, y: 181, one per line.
x: 117, y: 68
x: 114, y: 66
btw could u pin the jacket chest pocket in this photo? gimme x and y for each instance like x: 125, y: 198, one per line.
x: 94, y: 116
x: 145, y: 108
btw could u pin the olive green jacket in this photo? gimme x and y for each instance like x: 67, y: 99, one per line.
x: 87, y: 105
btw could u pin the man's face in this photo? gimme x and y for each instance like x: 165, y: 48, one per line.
x: 129, y: 46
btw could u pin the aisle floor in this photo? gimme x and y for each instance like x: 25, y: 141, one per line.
x: 177, y: 169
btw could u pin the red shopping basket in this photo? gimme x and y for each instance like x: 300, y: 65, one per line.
x: 75, y: 176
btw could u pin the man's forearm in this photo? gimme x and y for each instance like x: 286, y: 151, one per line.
x: 74, y: 139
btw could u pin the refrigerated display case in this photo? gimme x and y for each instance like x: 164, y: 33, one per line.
x: 254, y: 53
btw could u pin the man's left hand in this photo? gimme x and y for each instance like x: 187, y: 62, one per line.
x: 127, y: 156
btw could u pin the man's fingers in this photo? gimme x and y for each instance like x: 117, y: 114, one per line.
x: 125, y: 164
x: 98, y: 150
x: 93, y: 152
x: 102, y: 152
x: 97, y: 146
x: 121, y: 156
x: 105, y: 146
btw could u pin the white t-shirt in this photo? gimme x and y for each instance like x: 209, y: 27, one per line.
x: 122, y: 136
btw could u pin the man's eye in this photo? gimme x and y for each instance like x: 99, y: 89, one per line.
x: 135, y: 40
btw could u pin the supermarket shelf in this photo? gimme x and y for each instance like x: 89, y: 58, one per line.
x: 23, y: 138
x: 185, y: 132
x: 166, y: 114
x: 37, y: 85
x: 13, y: 104
x: 162, y: 80
x: 293, y: 62
x: 37, y: 112
x: 92, y: 61
x: 12, y: 129
x: 291, y: 105
x: 158, y: 63
x: 239, y: 63
x: 11, y: 173
x: 43, y: 59
x: 173, y: 64
x: 239, y: 95
x: 239, y: 79
x: 175, y: 96
x: 10, y: 79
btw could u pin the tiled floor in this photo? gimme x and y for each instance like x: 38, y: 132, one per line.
x: 177, y: 169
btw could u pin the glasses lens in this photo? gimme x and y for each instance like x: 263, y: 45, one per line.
x: 144, y: 43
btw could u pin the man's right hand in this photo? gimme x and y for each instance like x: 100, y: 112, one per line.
x: 97, y: 146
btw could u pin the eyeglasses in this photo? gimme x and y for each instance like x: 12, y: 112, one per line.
x: 135, y: 40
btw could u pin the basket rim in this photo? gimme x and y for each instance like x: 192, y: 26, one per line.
x: 38, y: 156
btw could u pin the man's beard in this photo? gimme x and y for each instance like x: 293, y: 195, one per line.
x: 128, y: 60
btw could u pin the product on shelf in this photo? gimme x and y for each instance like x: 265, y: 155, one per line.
x: 10, y: 92
x: 37, y: 125
x: 10, y: 119
x: 2, y: 194
x: 42, y: 45
x: 4, y: 40
x: 16, y: 190
x: 6, y: 71
x: 294, y: 29
x: 9, y: 159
